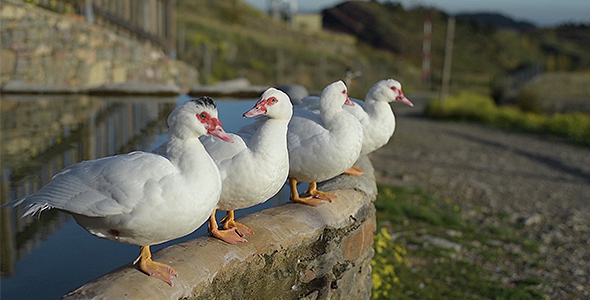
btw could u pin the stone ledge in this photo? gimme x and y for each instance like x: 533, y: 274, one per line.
x: 21, y: 87
x: 134, y: 89
x: 112, y: 89
x: 228, y: 91
x: 297, y: 252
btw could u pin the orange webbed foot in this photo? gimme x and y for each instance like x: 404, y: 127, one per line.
x: 354, y: 171
x: 312, y: 190
x: 315, y: 197
x: 229, y: 222
x: 154, y: 269
x: 323, y: 196
x: 311, y: 200
x: 230, y: 235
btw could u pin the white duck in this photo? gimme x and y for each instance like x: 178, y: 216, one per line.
x: 255, y: 167
x: 322, y: 144
x: 142, y: 198
x: 375, y: 113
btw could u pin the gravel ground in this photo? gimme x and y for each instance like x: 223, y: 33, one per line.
x: 542, y: 183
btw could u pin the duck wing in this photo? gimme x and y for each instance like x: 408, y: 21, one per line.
x: 220, y: 150
x: 306, y: 130
x: 102, y: 187
x: 248, y: 130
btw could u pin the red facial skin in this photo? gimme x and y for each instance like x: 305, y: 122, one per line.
x: 348, y: 101
x: 213, y: 126
x: 401, y: 97
x: 260, y: 108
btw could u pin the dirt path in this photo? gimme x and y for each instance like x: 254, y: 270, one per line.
x: 541, y: 182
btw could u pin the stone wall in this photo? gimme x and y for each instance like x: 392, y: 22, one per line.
x: 42, y: 47
x: 297, y: 252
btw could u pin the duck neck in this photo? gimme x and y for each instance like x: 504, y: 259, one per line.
x: 379, y: 110
x: 335, y: 121
x: 330, y: 114
x: 270, y: 136
x: 189, y: 155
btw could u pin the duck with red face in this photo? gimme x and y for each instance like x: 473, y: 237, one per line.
x: 143, y: 198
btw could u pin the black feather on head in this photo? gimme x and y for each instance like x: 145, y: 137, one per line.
x: 205, y: 101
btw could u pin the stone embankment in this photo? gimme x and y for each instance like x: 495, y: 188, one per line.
x: 297, y: 252
x: 63, y: 52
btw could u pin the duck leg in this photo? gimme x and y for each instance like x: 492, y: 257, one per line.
x: 230, y: 222
x: 310, y: 200
x: 155, y: 269
x: 228, y: 235
x: 354, y: 171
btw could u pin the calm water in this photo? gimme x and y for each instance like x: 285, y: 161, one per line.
x: 45, y: 257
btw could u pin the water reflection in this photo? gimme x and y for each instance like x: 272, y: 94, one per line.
x: 45, y: 256
x: 42, y: 135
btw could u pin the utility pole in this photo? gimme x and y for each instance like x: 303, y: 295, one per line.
x: 426, y: 46
x: 88, y: 11
x: 446, y: 76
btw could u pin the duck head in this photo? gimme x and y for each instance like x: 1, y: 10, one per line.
x: 195, y: 118
x: 334, y: 95
x: 388, y: 90
x: 273, y: 103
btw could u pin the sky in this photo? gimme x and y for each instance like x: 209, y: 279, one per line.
x: 538, y: 12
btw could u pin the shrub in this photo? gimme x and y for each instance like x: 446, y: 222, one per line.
x: 388, y: 257
x: 475, y: 107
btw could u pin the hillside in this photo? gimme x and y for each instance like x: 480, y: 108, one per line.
x: 228, y: 38
x: 495, y: 20
x: 232, y: 39
x: 486, y: 45
x: 566, y: 47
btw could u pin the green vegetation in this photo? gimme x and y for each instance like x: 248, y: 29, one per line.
x: 474, y: 107
x: 388, y: 257
x: 232, y: 39
x: 479, y: 54
x: 228, y: 38
x: 411, y: 266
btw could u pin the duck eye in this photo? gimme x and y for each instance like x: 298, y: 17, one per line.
x: 203, y: 116
x: 273, y: 100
